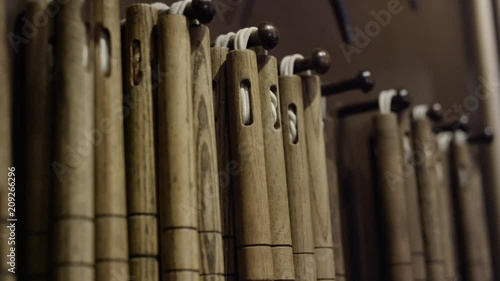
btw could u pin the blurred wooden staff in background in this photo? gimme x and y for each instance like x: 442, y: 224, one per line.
x: 73, y: 246
x: 299, y: 193
x: 425, y: 166
x: 474, y: 243
x: 142, y: 208
x: 392, y: 194
x: 39, y: 99
x: 111, y: 233
x: 6, y: 147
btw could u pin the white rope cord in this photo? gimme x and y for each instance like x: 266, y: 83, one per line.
x: 292, y: 121
x: 407, y: 149
x: 223, y: 39
x: 274, y: 106
x: 419, y: 112
x: 460, y: 138
x: 385, y: 99
x: 104, y: 54
x: 242, y: 37
x: 245, y: 104
x: 443, y: 143
x: 160, y: 7
x: 240, y: 43
x: 178, y: 8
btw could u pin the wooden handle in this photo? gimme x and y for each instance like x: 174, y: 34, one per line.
x: 111, y: 199
x: 210, y: 229
x: 318, y: 179
x: 5, y: 147
x: 140, y: 153
x: 39, y: 98
x: 412, y: 198
x: 393, y: 197
x: 176, y: 156
x: 74, y: 148
x: 448, y: 215
x: 299, y: 194
x: 253, y: 231
x: 218, y: 60
x: 279, y: 212
x: 425, y: 146
x: 468, y: 189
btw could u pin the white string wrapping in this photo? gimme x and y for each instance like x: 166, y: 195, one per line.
x: 274, y: 106
x: 179, y: 7
x: 443, y: 143
x: 105, y: 56
x: 245, y: 104
x: 385, y: 100
x: 292, y: 121
x: 242, y: 37
x: 160, y: 7
x: 420, y: 112
x: 223, y: 39
x: 463, y: 173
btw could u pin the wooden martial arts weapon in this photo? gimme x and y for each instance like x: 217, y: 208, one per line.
x: 218, y: 59
x: 363, y: 81
x: 425, y: 166
x: 474, y: 242
x: 299, y: 193
x: 38, y: 75
x: 210, y: 228
x: 488, y: 71
x: 409, y: 178
x: 393, y: 197
x: 319, y: 62
x: 343, y: 21
x: 281, y: 236
x: 74, y: 148
x: 6, y: 160
x: 399, y: 102
x: 111, y: 230
x: 139, y: 114
x: 253, y: 231
x: 446, y: 207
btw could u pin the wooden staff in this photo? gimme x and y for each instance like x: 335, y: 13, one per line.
x: 446, y: 210
x: 425, y: 152
x: 253, y: 232
x: 281, y: 236
x: 111, y: 203
x: 210, y: 228
x: 177, y: 158
x: 318, y: 179
x: 468, y: 189
x: 140, y: 145
x: 393, y: 197
x: 299, y: 194
x: 218, y: 59
x: 74, y: 148
x: 5, y: 148
x: 412, y: 199
x: 38, y: 75
x: 488, y: 93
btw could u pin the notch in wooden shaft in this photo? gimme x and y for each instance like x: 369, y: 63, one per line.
x: 485, y: 137
x: 319, y: 62
x: 363, y: 81
x: 461, y: 123
x: 399, y: 102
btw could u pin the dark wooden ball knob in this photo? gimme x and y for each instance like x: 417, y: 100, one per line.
x: 269, y: 35
x: 401, y: 101
x: 435, y: 112
x: 203, y: 10
x: 364, y: 81
x: 320, y: 61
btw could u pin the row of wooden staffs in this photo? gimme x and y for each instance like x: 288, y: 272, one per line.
x: 208, y: 166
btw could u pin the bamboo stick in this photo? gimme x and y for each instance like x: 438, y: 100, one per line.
x: 6, y: 160
x: 177, y: 169
x: 253, y: 232
x: 281, y: 236
x: 218, y: 60
x: 299, y: 194
x: 474, y: 241
x: 318, y: 179
x: 335, y: 199
x: 111, y: 209
x: 488, y: 93
x: 426, y: 149
x: 38, y: 75
x: 393, y: 197
x: 412, y: 199
x: 210, y: 228
x: 74, y: 148
x: 140, y: 154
